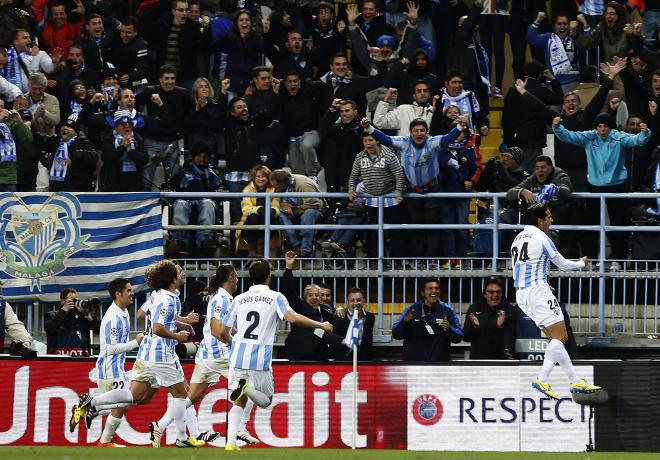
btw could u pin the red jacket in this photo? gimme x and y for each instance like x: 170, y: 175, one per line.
x: 60, y: 38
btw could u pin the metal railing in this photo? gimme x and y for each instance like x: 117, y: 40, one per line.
x: 581, y: 290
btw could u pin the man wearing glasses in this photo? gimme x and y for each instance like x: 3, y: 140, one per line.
x: 489, y: 326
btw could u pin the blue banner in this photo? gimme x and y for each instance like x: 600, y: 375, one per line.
x: 49, y: 242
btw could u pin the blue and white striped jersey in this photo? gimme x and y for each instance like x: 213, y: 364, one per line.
x: 165, y: 309
x: 115, y: 329
x: 531, y: 254
x: 419, y: 162
x: 210, y: 347
x: 254, y: 315
x: 591, y: 7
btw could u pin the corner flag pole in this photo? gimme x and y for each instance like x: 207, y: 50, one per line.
x: 354, y: 406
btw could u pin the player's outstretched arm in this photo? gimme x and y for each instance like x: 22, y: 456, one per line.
x: 566, y: 265
x: 296, y: 318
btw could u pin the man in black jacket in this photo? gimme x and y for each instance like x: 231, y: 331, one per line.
x: 130, y: 56
x: 300, y: 102
x: 302, y: 343
x: 489, y: 326
x: 96, y: 41
x: 355, y: 301
x: 163, y: 146
x: 71, y: 158
x: 294, y: 56
x: 261, y: 97
x: 341, y: 129
x: 338, y: 84
x: 524, y: 126
x: 124, y: 157
x: 243, y: 133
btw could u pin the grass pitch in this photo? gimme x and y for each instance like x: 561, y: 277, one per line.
x: 167, y: 453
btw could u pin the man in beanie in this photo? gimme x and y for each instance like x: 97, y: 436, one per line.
x: 124, y: 156
x: 70, y: 158
x: 502, y: 175
x: 606, y: 170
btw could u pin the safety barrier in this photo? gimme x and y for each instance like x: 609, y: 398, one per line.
x: 628, y: 302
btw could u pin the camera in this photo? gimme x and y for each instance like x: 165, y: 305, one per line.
x: 186, y: 350
x: 17, y: 348
x: 87, y: 304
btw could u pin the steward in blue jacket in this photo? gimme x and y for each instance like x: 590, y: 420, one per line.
x: 428, y: 327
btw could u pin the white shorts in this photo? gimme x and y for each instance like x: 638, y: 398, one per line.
x: 209, y: 371
x: 106, y: 385
x: 540, y: 304
x: 261, y: 381
x: 158, y: 374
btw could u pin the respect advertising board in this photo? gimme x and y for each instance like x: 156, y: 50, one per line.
x: 399, y: 407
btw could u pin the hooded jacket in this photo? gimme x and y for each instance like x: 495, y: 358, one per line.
x: 403, y: 77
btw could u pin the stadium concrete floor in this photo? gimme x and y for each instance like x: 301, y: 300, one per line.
x: 166, y: 453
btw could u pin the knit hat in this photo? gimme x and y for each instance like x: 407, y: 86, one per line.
x: 516, y: 153
x: 387, y: 40
x: 108, y: 71
x: 122, y: 116
x: 72, y: 122
x: 606, y: 119
x: 26, y: 114
x: 199, y: 147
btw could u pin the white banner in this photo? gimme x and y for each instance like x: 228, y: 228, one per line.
x: 493, y: 408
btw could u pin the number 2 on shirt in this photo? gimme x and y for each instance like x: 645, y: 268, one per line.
x: 254, y: 317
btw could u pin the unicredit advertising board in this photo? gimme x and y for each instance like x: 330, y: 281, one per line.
x: 399, y: 407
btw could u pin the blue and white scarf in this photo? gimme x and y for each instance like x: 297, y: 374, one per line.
x: 289, y: 199
x: 76, y: 107
x: 127, y: 165
x: 7, y: 145
x: 13, y: 71
x: 560, y: 63
x: 59, y: 168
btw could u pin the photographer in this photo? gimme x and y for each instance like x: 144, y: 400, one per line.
x: 12, y: 131
x: 68, y: 329
x: 12, y: 327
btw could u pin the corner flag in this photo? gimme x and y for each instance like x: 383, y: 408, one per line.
x: 354, y: 332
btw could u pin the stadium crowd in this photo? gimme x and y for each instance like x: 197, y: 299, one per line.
x: 384, y: 98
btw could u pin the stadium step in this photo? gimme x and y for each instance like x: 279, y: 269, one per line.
x: 495, y: 119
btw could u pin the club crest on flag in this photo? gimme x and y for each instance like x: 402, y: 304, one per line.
x: 36, y: 239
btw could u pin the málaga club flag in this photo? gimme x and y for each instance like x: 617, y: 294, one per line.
x: 354, y: 333
x: 51, y: 241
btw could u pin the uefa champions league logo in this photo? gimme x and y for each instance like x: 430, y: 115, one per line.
x: 36, y: 240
